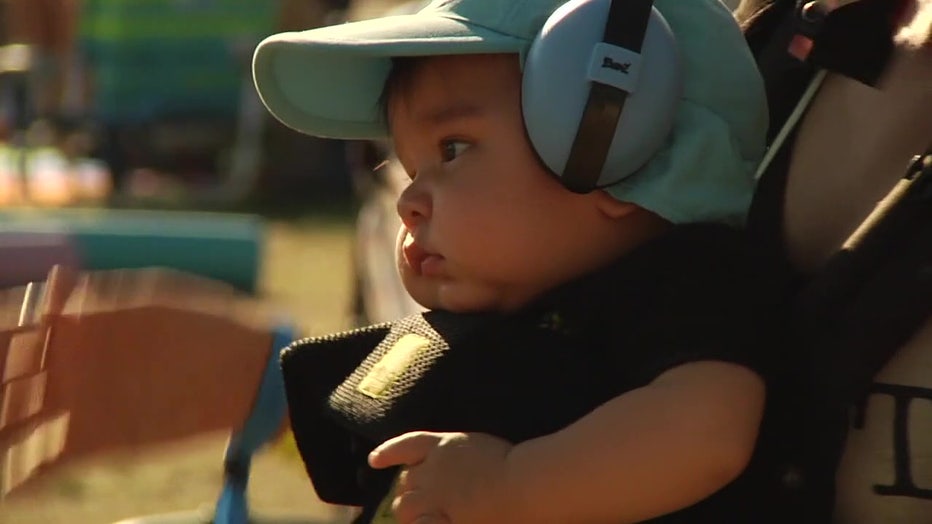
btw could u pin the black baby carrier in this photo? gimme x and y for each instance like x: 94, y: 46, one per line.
x: 360, y: 388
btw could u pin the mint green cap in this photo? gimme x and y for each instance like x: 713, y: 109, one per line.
x: 327, y: 82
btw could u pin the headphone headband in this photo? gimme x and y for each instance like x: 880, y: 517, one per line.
x: 625, y: 29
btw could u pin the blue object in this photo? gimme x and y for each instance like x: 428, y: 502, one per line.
x: 261, y: 425
x: 224, y: 247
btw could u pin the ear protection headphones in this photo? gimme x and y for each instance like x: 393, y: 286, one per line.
x: 600, y: 88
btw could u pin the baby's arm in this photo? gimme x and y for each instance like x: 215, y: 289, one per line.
x: 645, y: 453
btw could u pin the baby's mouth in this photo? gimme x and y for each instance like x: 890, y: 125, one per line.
x: 421, y: 261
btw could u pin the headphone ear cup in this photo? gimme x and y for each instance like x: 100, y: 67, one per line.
x: 556, y: 83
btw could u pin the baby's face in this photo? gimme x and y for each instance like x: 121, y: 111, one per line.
x: 485, y: 226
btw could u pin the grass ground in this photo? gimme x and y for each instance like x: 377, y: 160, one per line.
x: 306, y: 271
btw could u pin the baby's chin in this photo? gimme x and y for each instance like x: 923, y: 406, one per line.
x: 454, y: 297
x: 453, y: 304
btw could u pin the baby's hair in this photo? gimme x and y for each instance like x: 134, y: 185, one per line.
x: 397, y: 81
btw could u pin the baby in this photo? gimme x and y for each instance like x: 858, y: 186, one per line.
x: 596, y: 346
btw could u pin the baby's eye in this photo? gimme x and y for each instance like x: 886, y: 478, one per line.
x: 450, y: 149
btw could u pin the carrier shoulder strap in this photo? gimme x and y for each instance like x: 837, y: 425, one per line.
x: 874, y: 294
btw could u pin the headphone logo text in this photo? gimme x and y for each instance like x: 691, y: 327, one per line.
x: 617, y: 66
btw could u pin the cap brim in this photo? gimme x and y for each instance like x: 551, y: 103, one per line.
x: 327, y: 82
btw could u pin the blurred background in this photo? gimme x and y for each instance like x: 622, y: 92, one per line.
x: 118, y: 102
x: 131, y: 136
x: 128, y: 127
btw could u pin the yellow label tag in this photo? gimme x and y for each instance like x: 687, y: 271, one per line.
x: 392, y: 365
x: 383, y: 514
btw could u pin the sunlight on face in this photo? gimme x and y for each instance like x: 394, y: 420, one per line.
x: 485, y: 226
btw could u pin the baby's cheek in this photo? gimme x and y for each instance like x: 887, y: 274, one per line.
x: 420, y: 289
x: 917, y: 32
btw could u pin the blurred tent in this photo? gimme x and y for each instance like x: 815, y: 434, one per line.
x: 170, y: 89
x: 152, y: 58
x: 169, y: 82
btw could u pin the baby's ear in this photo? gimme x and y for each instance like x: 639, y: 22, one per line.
x: 611, y: 206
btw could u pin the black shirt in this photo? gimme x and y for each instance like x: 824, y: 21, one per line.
x: 696, y: 293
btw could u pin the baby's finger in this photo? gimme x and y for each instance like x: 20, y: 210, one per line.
x: 404, y: 481
x: 414, y: 506
x: 405, y: 450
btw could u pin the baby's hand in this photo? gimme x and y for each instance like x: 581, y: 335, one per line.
x: 448, y: 477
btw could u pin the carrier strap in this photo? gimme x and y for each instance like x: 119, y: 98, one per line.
x: 875, y: 293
